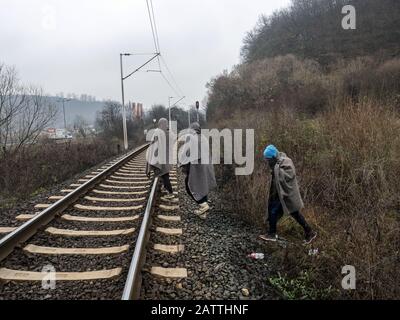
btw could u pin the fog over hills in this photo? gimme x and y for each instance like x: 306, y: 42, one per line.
x: 74, y: 108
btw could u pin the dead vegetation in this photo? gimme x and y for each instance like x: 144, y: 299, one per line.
x: 344, y: 138
x: 39, y: 166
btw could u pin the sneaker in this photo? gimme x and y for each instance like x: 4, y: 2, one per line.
x: 310, y: 237
x: 269, y: 237
x: 204, y: 207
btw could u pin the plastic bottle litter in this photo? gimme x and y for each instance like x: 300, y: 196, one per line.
x: 256, y: 256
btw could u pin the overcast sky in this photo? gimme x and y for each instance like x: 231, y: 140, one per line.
x: 74, y: 45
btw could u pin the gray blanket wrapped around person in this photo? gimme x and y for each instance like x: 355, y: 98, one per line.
x: 284, y: 194
x: 195, y: 160
x: 158, y: 154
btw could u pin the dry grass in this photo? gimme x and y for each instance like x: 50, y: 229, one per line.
x: 303, y: 85
x: 348, y: 164
x: 43, y: 165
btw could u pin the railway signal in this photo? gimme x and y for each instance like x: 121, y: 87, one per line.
x: 197, y: 108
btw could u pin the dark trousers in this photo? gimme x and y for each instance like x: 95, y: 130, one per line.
x: 275, y: 212
x: 167, y: 183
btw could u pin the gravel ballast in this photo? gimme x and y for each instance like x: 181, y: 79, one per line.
x: 215, y: 256
x: 110, y: 289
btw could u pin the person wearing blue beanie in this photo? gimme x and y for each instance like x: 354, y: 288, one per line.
x: 284, y: 194
x: 270, y: 152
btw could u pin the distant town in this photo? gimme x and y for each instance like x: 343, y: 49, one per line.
x: 72, y: 124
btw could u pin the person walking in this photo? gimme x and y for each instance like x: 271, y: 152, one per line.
x: 199, y: 171
x: 284, y: 194
x: 158, y: 158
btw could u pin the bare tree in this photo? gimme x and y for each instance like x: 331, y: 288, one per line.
x: 80, y: 125
x: 158, y: 111
x: 109, y: 123
x: 109, y: 120
x: 11, y: 94
x: 37, y: 115
x: 24, y: 112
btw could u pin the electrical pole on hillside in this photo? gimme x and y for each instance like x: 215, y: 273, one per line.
x: 63, y: 104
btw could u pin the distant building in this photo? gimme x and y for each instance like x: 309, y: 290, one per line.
x: 136, y: 110
x: 54, y: 133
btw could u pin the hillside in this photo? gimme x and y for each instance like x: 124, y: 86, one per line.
x: 329, y: 99
x: 313, y: 29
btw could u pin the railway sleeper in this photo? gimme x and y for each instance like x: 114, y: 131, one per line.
x: 169, y: 231
x: 169, y: 272
x: 89, y: 233
x: 169, y: 248
x: 31, y: 248
x: 20, y: 275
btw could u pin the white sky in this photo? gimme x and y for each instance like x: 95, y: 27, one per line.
x: 74, y: 45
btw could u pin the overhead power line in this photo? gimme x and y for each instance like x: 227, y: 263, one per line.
x: 155, y: 25
x: 171, y: 75
x: 170, y: 85
x: 152, y: 27
x: 175, y: 88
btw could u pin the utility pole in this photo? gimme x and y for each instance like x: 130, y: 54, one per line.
x: 123, y: 104
x: 169, y: 112
x: 123, y: 94
x: 189, y: 117
x: 169, y: 108
x: 65, y: 121
x: 63, y: 100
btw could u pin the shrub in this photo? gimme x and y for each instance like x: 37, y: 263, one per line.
x: 42, y: 165
x: 299, y: 288
x: 302, y: 86
x: 347, y: 161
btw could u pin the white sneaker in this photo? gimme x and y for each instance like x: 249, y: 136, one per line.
x: 204, y: 207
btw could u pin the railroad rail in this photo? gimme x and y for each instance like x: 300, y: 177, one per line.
x: 126, y: 173
x: 26, y: 230
x: 133, y: 281
x: 36, y: 239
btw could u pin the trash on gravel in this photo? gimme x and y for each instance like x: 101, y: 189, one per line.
x: 256, y: 256
x: 245, y: 292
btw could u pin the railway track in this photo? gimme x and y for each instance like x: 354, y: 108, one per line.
x: 90, y: 241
